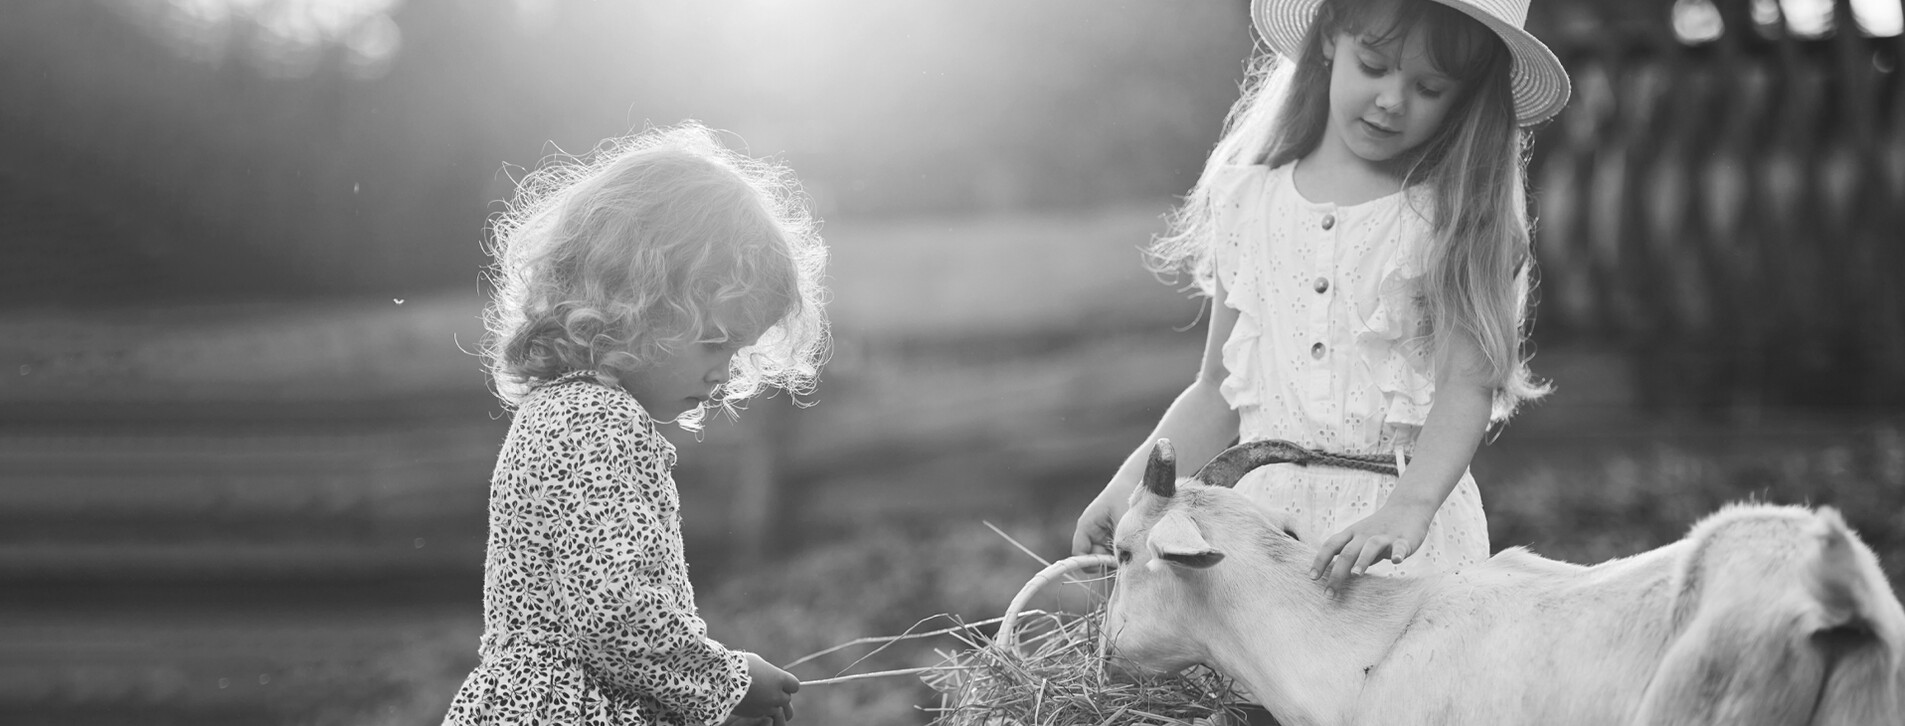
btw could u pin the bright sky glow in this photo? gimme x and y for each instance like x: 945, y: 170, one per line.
x: 290, y: 38
x: 1813, y: 18
x: 1698, y: 21
x: 1879, y: 17
x: 1808, y: 18
x: 282, y: 38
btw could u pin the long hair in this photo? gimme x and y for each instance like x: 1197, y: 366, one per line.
x: 1480, y: 264
x: 650, y: 244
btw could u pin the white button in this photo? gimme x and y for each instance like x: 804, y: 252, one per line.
x: 1322, y: 285
x: 1329, y: 220
x: 1316, y: 351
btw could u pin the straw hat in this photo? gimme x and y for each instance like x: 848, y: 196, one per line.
x: 1540, y: 83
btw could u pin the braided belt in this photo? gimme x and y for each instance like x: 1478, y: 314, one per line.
x: 1377, y: 463
x: 1278, y: 451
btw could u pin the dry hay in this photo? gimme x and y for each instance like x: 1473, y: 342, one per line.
x: 1054, y: 675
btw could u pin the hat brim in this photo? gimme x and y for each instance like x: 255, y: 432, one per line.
x: 1537, y: 79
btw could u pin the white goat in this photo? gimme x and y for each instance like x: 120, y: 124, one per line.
x: 1761, y: 615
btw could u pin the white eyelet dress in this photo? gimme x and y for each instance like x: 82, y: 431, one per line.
x: 1329, y: 352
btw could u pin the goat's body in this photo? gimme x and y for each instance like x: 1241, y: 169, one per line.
x: 1762, y: 615
x: 1489, y: 645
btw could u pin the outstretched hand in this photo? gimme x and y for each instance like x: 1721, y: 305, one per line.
x: 1096, y: 525
x: 770, y: 695
x: 1395, y: 531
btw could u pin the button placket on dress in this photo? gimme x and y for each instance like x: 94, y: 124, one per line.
x: 1327, y: 236
x: 1323, y: 258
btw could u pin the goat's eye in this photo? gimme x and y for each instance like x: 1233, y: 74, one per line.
x: 1124, y: 556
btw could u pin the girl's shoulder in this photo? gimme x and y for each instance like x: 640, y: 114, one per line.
x: 1238, y: 185
x: 1418, y: 204
x: 1231, y: 175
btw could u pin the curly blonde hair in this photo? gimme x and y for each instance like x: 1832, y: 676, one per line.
x: 653, y: 242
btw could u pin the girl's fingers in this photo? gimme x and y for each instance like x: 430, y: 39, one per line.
x: 1373, y: 550
x: 1091, y: 538
x: 1398, y: 552
x: 1340, y: 566
x: 1326, y: 555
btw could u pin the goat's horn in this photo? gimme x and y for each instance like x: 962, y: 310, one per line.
x: 1008, y: 626
x: 1228, y: 467
x: 1160, y: 475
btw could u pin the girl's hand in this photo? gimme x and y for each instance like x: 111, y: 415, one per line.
x: 1100, y: 519
x: 770, y: 695
x: 1394, y: 531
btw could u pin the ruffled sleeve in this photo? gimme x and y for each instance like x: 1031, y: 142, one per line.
x: 1239, y: 224
x: 621, y: 578
x: 1393, y: 340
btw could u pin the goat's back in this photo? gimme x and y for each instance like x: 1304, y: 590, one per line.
x: 1523, y: 639
x: 1762, y: 615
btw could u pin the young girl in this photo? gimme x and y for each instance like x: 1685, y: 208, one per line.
x: 661, y: 278
x: 1362, y: 233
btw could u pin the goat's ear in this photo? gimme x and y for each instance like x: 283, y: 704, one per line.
x: 1835, y: 577
x: 1160, y: 475
x: 1175, y: 540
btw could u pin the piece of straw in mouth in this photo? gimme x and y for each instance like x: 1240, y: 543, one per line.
x: 1056, y: 677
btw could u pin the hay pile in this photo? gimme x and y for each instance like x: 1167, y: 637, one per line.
x: 1054, y: 675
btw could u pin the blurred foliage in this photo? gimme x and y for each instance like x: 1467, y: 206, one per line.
x: 1590, y: 497
x: 135, y: 171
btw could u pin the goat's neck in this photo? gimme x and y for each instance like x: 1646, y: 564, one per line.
x: 1302, y: 653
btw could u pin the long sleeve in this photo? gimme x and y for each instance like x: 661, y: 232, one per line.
x: 620, y: 576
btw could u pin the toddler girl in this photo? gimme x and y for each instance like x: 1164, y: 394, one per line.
x: 1361, y: 230
x: 660, y: 278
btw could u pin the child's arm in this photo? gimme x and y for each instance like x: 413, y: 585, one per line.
x: 1200, y: 423
x: 1454, y: 428
x: 614, y: 557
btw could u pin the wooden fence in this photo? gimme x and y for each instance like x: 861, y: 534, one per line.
x: 1731, y: 211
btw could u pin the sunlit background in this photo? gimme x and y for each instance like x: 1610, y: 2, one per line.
x: 244, y: 452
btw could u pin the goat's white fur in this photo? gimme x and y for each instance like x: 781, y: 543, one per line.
x: 1761, y: 615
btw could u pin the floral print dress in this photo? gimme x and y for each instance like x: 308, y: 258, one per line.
x: 588, y: 615
x: 1330, y: 351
